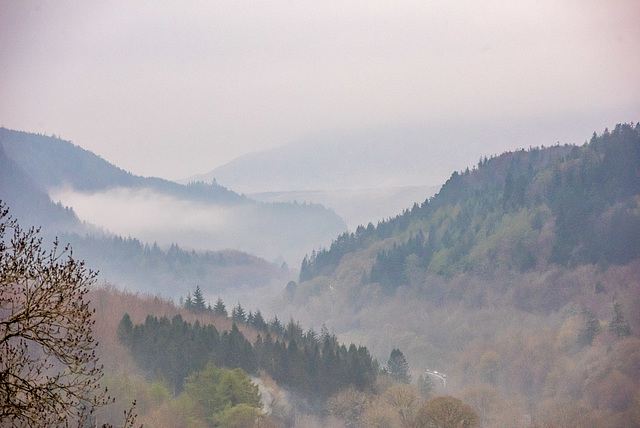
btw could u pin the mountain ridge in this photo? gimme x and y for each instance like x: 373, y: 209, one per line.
x: 93, y: 187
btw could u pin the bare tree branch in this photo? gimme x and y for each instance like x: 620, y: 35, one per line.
x: 49, y: 371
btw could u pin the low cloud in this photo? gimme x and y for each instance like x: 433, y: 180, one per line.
x: 275, y: 232
x: 155, y: 217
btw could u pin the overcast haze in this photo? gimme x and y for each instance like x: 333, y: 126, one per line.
x: 173, y: 89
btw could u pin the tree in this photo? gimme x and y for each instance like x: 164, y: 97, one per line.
x: 405, y: 400
x: 398, y: 367
x: 217, y: 390
x: 220, y: 309
x: 198, y: 304
x: 188, y: 303
x: 446, y: 412
x: 348, y: 405
x: 238, y: 315
x: 618, y: 325
x: 125, y: 330
x: 49, y: 372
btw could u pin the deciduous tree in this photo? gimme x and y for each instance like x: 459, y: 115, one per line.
x: 49, y: 371
x: 446, y: 412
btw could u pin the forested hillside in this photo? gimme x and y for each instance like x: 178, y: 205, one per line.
x: 202, y: 216
x: 520, y: 279
x: 564, y: 205
x: 52, y: 162
x: 171, y: 272
x: 190, y: 363
x: 29, y: 201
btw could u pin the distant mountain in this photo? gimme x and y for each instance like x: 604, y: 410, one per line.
x: 53, y: 163
x: 396, y: 157
x: 127, y: 262
x: 29, y: 202
x: 339, y: 161
x: 197, y: 215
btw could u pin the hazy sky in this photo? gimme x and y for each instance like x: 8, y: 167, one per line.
x: 172, y: 89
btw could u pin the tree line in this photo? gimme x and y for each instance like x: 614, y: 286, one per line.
x: 491, y: 216
x: 314, y: 365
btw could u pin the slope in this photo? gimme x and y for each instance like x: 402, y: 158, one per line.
x: 582, y: 201
x: 29, y: 202
x: 198, y: 215
x: 520, y: 280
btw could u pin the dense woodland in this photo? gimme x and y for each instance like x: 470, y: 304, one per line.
x: 173, y: 271
x: 520, y: 279
x: 491, y: 217
x: 510, y: 298
x: 315, y: 366
x: 34, y: 166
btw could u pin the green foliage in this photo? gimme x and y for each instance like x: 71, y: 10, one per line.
x: 565, y: 205
x: 198, y: 301
x: 240, y: 416
x: 125, y: 330
x: 314, y: 366
x: 235, y: 351
x: 171, y: 349
x: 397, y: 367
x: 218, y: 390
x: 238, y: 315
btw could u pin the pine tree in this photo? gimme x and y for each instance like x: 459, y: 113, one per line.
x: 188, y: 303
x: 618, y: 325
x: 238, y: 314
x: 220, y: 309
x: 397, y: 367
x: 276, y: 326
x: 199, y: 304
x: 125, y: 330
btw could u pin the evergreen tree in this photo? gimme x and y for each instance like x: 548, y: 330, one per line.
x: 199, y: 304
x: 220, y: 309
x: 125, y: 330
x: 397, y: 367
x: 276, y: 326
x: 618, y: 325
x: 188, y: 303
x: 258, y: 321
x: 238, y: 314
x: 590, y: 327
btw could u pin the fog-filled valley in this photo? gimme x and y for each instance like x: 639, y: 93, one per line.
x: 513, y: 289
x: 320, y: 214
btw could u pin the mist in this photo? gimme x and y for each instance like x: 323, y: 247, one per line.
x: 264, y: 230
